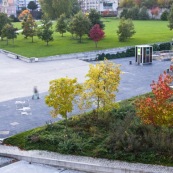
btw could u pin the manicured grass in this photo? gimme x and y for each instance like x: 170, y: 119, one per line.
x: 117, y: 135
x: 146, y: 32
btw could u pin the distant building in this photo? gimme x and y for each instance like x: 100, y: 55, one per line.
x: 102, y: 6
x: 11, y: 6
x: 24, y: 3
x: 8, y: 7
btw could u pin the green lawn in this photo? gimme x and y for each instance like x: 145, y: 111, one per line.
x: 117, y: 135
x: 146, y: 32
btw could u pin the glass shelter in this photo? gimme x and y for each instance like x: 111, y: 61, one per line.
x: 143, y: 54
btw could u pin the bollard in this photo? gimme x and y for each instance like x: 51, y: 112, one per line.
x: 167, y: 70
x: 130, y: 62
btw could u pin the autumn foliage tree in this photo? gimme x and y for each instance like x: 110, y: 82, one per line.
x: 157, y: 110
x: 62, y: 94
x: 29, y: 27
x: 96, y: 33
x: 24, y: 14
x: 155, y: 11
x: 101, y: 86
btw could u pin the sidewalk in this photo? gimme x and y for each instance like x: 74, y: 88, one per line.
x: 81, y: 163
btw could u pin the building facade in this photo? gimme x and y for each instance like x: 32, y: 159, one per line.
x: 24, y: 3
x: 102, y: 6
x: 8, y: 7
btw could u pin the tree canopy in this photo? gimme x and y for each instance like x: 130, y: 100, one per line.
x: 125, y: 29
x: 32, y: 5
x: 54, y: 8
x: 81, y: 25
x: 3, y: 21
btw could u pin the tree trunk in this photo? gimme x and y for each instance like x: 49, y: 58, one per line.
x: 80, y: 39
x: 96, y: 43
x: 32, y: 39
x: 47, y: 43
x: 66, y: 123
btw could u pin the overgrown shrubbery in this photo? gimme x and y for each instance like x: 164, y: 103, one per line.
x: 131, y: 52
x: 119, y: 134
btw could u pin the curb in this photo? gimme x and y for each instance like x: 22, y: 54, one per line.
x: 92, y: 168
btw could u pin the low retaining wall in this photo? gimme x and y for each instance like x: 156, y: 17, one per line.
x: 75, y: 165
x: 92, y: 55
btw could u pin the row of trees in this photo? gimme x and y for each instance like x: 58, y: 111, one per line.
x: 54, y: 8
x: 79, y: 25
x: 97, y: 92
x: 147, y: 3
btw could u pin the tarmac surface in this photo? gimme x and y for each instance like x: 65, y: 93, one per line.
x: 18, y: 112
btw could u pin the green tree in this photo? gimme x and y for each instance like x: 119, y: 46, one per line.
x: 100, y: 87
x: 81, y: 25
x: 164, y: 15
x: 62, y: 94
x: 45, y: 32
x: 29, y: 27
x: 70, y: 27
x: 170, y: 18
x: 124, y: 13
x: 9, y: 32
x: 32, y: 5
x: 125, y: 29
x: 3, y: 21
x: 143, y: 14
x: 54, y: 8
x: 95, y: 18
x: 75, y: 7
x: 133, y: 13
x: 61, y: 25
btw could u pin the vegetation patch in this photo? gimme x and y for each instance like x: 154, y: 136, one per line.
x: 147, y: 32
x: 117, y: 135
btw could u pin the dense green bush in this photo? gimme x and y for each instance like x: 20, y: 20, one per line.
x: 164, y: 15
x: 118, y: 134
x: 130, y: 52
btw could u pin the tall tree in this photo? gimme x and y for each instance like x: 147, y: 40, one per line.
x: 32, y: 5
x: 61, y: 25
x: 96, y: 33
x: 29, y: 27
x: 62, y: 94
x: 9, y: 32
x: 54, y: 8
x: 100, y: 87
x: 45, y: 32
x: 95, y: 18
x: 3, y: 21
x: 24, y: 14
x: 75, y: 7
x: 125, y: 29
x: 81, y: 25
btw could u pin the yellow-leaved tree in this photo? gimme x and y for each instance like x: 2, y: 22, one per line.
x: 62, y: 94
x: 101, y: 86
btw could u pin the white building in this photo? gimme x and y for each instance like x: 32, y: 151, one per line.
x: 103, y: 6
x: 24, y: 3
x: 8, y: 7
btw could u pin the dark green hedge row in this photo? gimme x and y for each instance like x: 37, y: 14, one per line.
x: 131, y: 52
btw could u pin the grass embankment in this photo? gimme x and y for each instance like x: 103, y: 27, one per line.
x: 118, y: 135
x: 146, y: 32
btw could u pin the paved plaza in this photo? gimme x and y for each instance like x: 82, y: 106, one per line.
x: 18, y: 112
x: 18, y: 78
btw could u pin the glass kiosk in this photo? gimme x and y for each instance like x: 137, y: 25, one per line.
x: 143, y: 54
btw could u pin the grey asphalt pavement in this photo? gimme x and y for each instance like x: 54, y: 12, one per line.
x: 17, y: 79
